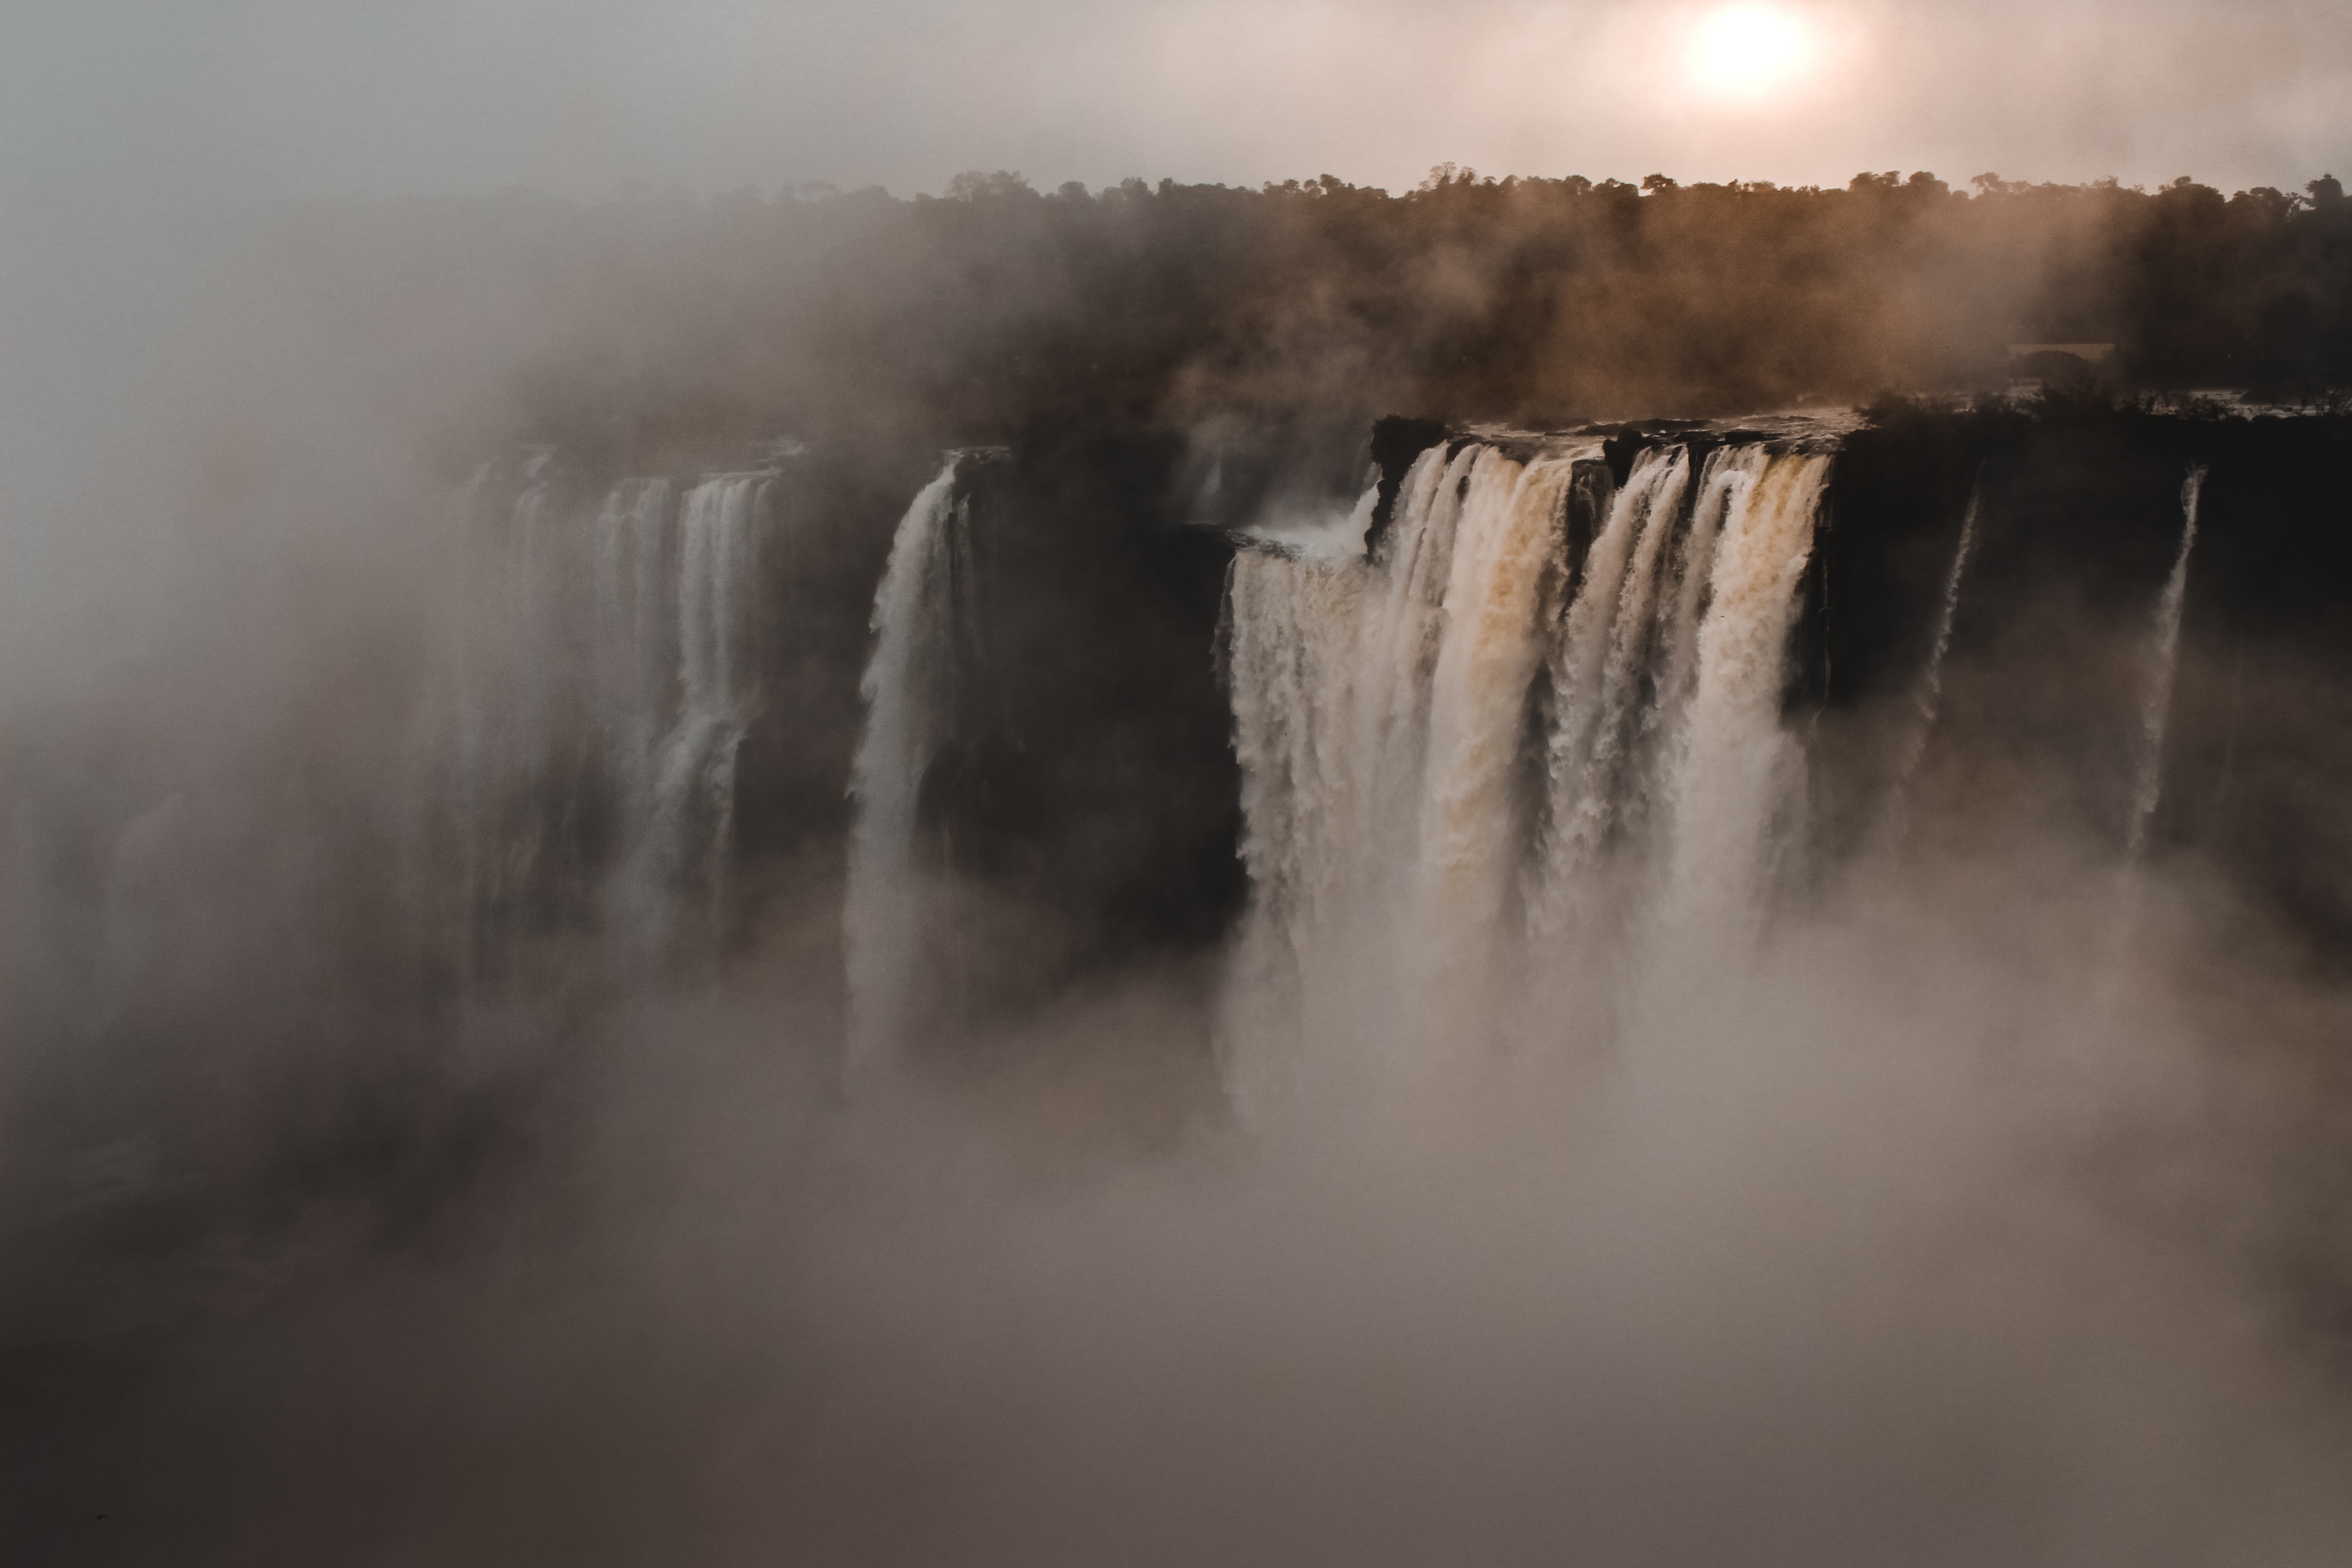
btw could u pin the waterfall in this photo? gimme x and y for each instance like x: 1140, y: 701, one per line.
x: 1596, y: 659
x: 1737, y: 765
x: 636, y: 643
x: 1509, y: 533
x: 1928, y: 699
x: 2163, y: 658
x: 693, y: 806
x: 1404, y: 624
x: 908, y: 688
x: 1332, y: 663
x: 602, y: 674
x: 1445, y: 746
x: 1292, y: 632
x: 632, y: 634
x: 1727, y: 472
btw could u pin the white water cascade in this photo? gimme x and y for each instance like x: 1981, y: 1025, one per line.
x: 692, y: 820
x: 2155, y: 691
x: 920, y: 621
x: 636, y: 679
x: 601, y: 647
x: 1738, y: 767
x: 634, y: 652
x: 1598, y: 655
x: 1508, y: 536
x: 1474, y: 751
x: 1927, y: 700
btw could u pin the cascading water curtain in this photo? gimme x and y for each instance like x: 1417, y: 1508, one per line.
x: 692, y: 825
x: 636, y: 643
x: 908, y: 689
x: 1927, y: 700
x: 611, y: 640
x: 2163, y: 658
x: 1485, y: 761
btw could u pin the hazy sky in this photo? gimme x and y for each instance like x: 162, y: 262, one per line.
x: 270, y: 97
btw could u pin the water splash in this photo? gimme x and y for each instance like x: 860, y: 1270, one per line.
x: 1595, y: 662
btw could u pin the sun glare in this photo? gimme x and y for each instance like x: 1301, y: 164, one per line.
x: 1748, y: 51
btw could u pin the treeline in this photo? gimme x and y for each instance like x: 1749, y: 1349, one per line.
x: 975, y: 316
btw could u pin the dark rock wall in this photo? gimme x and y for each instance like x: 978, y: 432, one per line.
x: 2080, y: 524
x: 1091, y: 799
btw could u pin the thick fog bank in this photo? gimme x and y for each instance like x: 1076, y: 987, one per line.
x: 1900, y: 1240
x: 874, y: 882
x: 1733, y: 1058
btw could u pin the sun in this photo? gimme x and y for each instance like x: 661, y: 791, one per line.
x: 1747, y: 51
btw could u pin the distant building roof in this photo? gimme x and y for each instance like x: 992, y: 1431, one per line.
x: 2094, y: 353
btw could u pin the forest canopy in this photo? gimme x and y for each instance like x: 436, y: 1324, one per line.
x: 659, y: 318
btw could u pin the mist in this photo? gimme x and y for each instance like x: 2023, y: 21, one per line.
x: 838, y: 786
